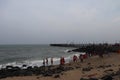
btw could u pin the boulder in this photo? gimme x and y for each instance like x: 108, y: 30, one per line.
x: 107, y: 77
x: 57, y: 76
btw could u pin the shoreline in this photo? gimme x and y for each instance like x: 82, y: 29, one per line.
x: 93, y: 67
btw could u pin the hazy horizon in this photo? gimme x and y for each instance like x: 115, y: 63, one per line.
x: 59, y: 21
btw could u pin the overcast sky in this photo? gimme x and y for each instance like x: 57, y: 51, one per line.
x: 59, y: 21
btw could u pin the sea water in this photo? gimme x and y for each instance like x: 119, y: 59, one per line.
x: 32, y: 55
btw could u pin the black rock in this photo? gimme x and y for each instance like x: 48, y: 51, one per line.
x: 101, y: 66
x: 16, y: 68
x: 9, y: 67
x: 29, y: 68
x: 109, y: 70
x: 57, y: 76
x: 118, y: 72
x: 89, y: 63
x: 77, y: 67
x: 107, y: 78
x: 83, y: 79
x: 108, y: 65
x: 93, y: 79
x: 24, y: 65
x: 47, y: 74
x: 89, y: 79
x: 87, y: 69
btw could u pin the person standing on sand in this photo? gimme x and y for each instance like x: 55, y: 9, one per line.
x: 81, y: 57
x: 51, y: 60
x: 74, y: 58
x: 46, y: 61
x: 62, y: 61
x: 43, y: 62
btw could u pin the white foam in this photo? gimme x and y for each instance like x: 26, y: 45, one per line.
x: 56, y: 61
x: 69, y: 50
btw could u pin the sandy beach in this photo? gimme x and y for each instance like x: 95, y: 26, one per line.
x: 92, y: 67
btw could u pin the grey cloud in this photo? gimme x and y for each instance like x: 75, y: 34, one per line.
x: 28, y: 21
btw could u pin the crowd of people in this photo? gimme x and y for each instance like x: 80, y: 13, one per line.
x: 75, y: 58
x: 81, y: 57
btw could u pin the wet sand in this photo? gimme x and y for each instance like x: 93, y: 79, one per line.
x: 92, y: 67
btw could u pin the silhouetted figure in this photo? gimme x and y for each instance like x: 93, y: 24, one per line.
x: 51, y: 60
x: 46, y: 61
x: 43, y: 62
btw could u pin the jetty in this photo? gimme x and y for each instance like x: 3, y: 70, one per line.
x: 92, y: 48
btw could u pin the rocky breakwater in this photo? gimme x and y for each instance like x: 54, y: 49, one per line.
x: 10, y: 71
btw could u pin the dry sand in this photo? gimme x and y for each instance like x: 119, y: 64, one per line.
x: 101, y: 66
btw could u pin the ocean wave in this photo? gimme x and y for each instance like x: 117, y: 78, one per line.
x: 56, y: 61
